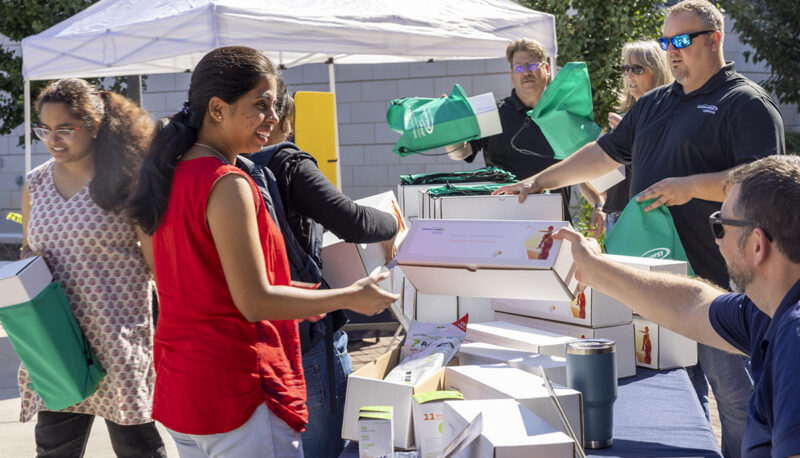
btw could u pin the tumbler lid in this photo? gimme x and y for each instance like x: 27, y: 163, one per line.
x: 591, y: 346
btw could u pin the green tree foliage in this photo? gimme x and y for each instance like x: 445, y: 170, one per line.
x: 594, y: 31
x: 20, y: 19
x: 772, y: 29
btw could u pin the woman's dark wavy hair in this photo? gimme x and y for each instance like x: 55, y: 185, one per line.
x: 124, y: 131
x: 227, y: 73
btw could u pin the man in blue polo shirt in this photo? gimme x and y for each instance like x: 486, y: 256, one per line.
x: 681, y: 141
x: 756, y: 233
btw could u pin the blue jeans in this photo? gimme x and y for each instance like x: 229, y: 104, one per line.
x: 323, y: 436
x: 730, y: 379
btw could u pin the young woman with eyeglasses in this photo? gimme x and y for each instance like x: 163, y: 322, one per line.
x: 74, y: 215
x: 644, y: 67
x: 227, y: 350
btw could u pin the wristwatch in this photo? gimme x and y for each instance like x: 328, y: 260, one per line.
x: 599, y: 205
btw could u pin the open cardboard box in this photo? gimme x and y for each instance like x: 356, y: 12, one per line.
x: 366, y: 387
x: 622, y: 334
x: 431, y: 308
x: 21, y: 281
x: 603, y: 182
x: 509, y: 430
x: 498, y: 381
x: 544, y: 207
x: 343, y: 263
x: 491, y: 258
x: 659, y: 348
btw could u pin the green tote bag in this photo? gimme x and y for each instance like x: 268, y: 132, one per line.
x: 426, y: 124
x: 565, y: 111
x: 646, y: 234
x: 63, y: 369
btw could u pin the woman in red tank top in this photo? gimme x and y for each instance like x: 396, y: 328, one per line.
x: 226, y: 346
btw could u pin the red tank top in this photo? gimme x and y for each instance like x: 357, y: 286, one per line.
x: 213, y: 367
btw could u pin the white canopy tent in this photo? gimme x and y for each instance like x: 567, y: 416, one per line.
x: 130, y: 37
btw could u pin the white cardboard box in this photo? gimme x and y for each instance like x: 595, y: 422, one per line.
x: 485, y: 108
x: 509, y: 431
x: 21, y: 281
x: 409, y: 196
x: 516, y: 336
x: 659, y: 348
x: 343, y: 263
x: 603, y: 182
x: 375, y: 432
x: 366, y: 387
x: 537, y: 207
x: 590, y: 308
x: 472, y: 353
x: 478, y: 308
x: 428, y: 419
x: 651, y: 264
x: 500, y: 381
x: 432, y: 308
x: 489, y: 258
x: 622, y: 334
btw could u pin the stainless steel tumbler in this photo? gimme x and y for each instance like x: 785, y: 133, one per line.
x: 592, y: 370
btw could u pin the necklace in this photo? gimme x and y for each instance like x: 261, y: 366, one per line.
x: 220, y: 155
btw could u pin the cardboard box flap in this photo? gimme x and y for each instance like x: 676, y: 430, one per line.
x: 21, y: 281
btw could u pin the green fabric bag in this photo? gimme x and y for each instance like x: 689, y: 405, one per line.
x: 63, y: 369
x: 646, y: 234
x: 426, y: 124
x: 565, y: 111
x: 473, y: 190
x: 490, y: 173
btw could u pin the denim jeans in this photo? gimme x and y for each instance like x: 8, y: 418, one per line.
x: 611, y: 220
x: 64, y: 435
x: 263, y: 435
x: 323, y: 436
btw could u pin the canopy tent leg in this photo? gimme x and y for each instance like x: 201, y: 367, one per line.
x: 27, y: 126
x: 332, y: 87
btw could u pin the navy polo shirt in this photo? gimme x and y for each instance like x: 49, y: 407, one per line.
x: 773, y: 413
x: 727, y: 122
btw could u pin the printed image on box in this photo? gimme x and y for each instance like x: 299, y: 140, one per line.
x: 375, y: 432
x: 659, y: 348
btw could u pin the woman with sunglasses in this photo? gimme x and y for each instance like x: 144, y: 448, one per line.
x: 73, y: 215
x: 644, y: 67
x: 227, y: 350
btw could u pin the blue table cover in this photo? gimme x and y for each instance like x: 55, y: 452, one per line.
x: 657, y: 414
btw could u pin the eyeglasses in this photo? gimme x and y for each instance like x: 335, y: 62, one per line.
x: 64, y: 134
x: 718, y: 225
x: 636, y: 69
x: 681, y: 41
x: 530, y: 66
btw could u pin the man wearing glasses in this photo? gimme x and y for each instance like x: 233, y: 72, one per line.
x: 681, y: 140
x: 756, y: 234
x: 521, y: 148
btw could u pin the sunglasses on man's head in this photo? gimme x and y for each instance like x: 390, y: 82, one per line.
x: 636, y: 69
x: 530, y: 66
x: 681, y: 41
x: 718, y: 225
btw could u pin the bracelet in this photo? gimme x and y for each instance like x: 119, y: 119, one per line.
x: 599, y: 205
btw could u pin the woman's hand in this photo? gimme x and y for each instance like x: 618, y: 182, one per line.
x: 613, y: 120
x: 369, y: 298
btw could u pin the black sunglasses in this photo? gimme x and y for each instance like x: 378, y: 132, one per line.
x: 636, y: 69
x: 718, y: 225
x: 681, y: 41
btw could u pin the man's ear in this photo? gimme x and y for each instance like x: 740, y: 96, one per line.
x: 716, y: 40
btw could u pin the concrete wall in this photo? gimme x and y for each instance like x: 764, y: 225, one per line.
x: 363, y: 96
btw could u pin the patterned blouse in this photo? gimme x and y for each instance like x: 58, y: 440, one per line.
x: 96, y: 258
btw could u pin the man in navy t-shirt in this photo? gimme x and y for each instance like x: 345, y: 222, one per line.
x: 756, y: 233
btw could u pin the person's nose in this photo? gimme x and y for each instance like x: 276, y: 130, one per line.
x: 272, y: 116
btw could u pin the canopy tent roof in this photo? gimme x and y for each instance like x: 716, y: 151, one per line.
x: 126, y: 37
